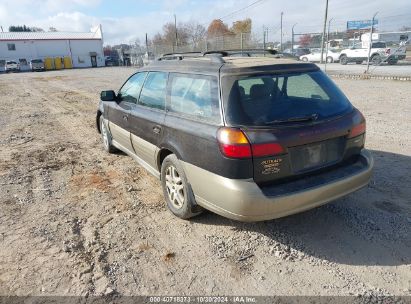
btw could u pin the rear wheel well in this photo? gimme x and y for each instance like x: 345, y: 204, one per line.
x: 162, y: 155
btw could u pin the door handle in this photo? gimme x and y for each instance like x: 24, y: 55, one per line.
x: 157, y: 129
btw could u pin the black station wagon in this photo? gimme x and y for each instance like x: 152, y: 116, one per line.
x: 249, y: 138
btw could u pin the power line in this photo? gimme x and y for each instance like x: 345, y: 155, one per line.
x: 242, y: 9
x: 236, y: 11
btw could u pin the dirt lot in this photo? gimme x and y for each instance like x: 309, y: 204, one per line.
x: 77, y: 221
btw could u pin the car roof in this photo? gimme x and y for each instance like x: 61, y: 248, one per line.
x: 255, y: 65
x: 230, y: 65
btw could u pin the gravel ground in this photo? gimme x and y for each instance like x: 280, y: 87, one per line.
x: 77, y: 221
x: 402, y: 69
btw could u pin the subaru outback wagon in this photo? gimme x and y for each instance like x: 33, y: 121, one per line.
x: 249, y: 138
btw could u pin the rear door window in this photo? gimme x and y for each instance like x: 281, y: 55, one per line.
x: 153, y: 94
x: 378, y: 45
x: 195, y: 96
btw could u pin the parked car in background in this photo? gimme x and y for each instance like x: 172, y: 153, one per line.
x: 297, y: 52
x: 109, y: 61
x: 248, y: 138
x: 36, y: 65
x: 12, y: 66
x: 379, y: 53
x: 315, y: 56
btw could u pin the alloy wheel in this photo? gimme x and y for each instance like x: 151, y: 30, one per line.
x: 175, y: 187
x: 104, y: 134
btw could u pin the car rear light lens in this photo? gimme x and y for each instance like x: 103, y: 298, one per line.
x: 236, y: 151
x: 234, y: 144
x: 388, y: 51
x: 357, y: 130
x: 266, y: 149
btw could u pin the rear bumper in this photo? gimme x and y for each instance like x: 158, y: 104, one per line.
x: 244, y: 200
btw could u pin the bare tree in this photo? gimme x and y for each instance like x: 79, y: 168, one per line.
x: 195, y: 33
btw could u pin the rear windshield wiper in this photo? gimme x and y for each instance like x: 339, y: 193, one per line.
x: 311, y: 117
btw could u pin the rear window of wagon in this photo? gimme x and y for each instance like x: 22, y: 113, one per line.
x: 259, y: 100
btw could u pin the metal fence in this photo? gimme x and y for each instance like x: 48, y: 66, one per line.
x: 234, y: 41
x: 336, y: 40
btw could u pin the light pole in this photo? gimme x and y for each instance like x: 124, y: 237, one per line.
x: 264, y: 38
x: 327, y: 44
x: 370, y: 44
x: 292, y: 38
x: 175, y: 27
x: 325, y: 25
x: 281, y: 32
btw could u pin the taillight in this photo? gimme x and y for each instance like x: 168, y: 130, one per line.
x: 388, y: 51
x: 233, y: 143
x: 266, y: 149
x: 357, y: 130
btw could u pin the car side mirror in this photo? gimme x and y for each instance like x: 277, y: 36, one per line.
x: 108, y: 96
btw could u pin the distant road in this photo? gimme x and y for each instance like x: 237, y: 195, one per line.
x: 401, y: 69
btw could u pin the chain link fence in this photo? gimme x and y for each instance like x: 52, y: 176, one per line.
x: 312, y: 41
x: 233, y: 41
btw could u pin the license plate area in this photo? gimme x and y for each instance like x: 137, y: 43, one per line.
x: 313, y: 155
x: 316, y: 155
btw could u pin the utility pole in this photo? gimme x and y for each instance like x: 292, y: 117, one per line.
x: 281, y: 32
x: 370, y: 43
x: 325, y: 26
x: 264, y: 38
x: 292, y: 38
x: 175, y: 27
x: 147, y: 44
x: 328, y: 42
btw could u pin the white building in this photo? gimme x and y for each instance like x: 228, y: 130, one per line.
x: 84, y: 49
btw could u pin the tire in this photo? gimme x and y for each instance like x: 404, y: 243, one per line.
x: 343, y: 59
x: 176, y: 189
x: 376, y: 59
x: 106, y: 137
x: 329, y: 59
x: 305, y: 59
x: 392, y: 61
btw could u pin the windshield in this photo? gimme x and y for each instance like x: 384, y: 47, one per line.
x: 36, y: 61
x: 11, y: 62
x: 268, y: 99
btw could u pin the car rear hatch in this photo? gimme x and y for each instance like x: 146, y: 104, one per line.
x: 295, y: 123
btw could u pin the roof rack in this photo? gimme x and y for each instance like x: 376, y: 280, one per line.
x: 244, y: 52
x: 214, y: 57
x: 217, y: 56
x: 179, y: 56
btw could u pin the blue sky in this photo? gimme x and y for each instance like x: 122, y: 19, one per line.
x: 127, y: 20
